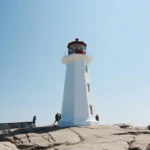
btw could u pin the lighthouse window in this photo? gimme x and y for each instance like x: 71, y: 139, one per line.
x: 86, y: 68
x: 91, y: 109
x: 71, y: 51
x: 88, y: 86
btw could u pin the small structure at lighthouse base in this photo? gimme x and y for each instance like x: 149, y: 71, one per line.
x: 77, y: 107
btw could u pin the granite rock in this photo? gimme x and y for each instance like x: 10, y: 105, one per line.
x: 103, y: 137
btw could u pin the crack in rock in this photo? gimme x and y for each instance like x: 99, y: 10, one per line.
x: 25, y: 146
x: 7, y: 145
x: 28, y: 138
x: 17, y: 139
x: 51, y: 137
x: 130, y: 132
x: 5, y: 139
x: 47, y: 139
x: 131, y: 147
x: 130, y: 142
x: 81, y: 138
x: 133, y: 133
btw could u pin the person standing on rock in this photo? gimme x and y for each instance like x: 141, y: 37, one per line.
x: 97, y: 117
x: 33, y: 122
x: 57, y: 118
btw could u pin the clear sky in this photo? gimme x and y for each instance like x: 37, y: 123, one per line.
x: 33, y: 38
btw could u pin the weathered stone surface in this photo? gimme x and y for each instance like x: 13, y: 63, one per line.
x: 7, y: 146
x: 39, y: 141
x: 77, y: 138
x: 141, y: 142
x: 140, y: 128
x: 65, y: 136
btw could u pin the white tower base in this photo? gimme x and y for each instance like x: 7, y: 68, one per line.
x: 64, y: 123
x: 77, y: 107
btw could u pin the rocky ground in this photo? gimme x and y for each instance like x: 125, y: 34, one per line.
x: 113, y: 137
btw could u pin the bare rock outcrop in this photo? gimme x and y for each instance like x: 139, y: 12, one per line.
x: 101, y: 137
x: 124, y: 126
x: 7, y: 146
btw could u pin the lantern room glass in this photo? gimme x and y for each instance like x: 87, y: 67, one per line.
x: 77, y: 48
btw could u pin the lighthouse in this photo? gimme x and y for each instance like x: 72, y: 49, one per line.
x: 77, y: 106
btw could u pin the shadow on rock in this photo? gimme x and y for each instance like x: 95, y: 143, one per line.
x: 31, y: 130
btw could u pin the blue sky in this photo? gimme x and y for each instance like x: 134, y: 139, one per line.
x: 33, y: 38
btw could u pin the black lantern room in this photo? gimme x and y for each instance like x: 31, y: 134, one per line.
x: 76, y: 47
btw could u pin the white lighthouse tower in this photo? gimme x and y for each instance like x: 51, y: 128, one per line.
x: 77, y: 106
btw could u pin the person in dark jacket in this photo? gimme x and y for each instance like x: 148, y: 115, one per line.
x: 97, y: 117
x: 34, y: 120
x: 57, y: 118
